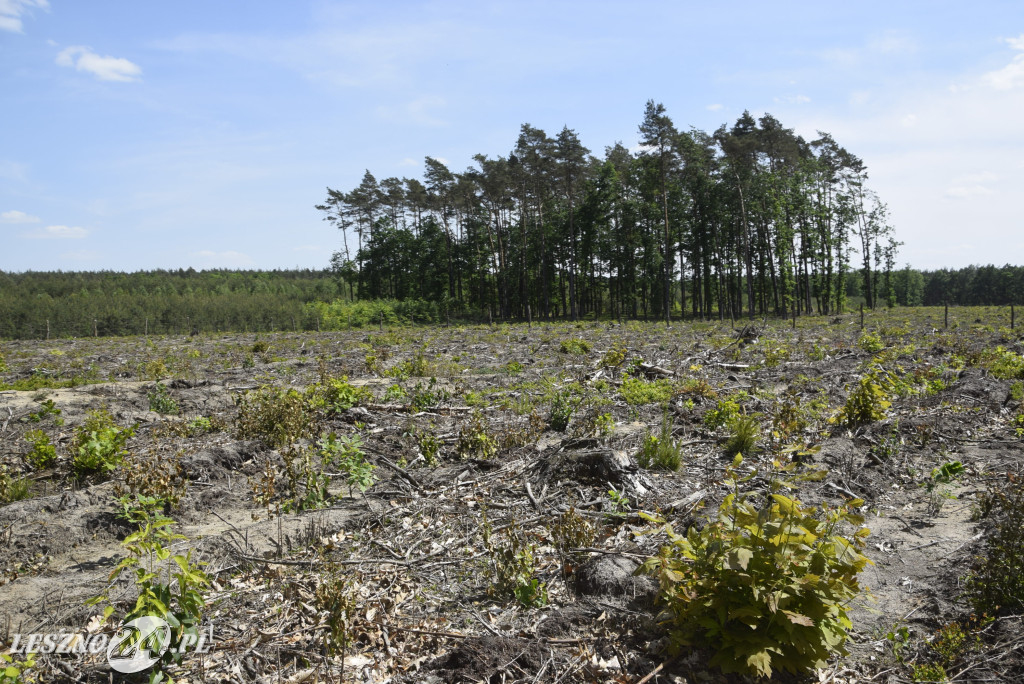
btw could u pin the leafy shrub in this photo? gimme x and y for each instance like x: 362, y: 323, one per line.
x: 46, y: 408
x: 575, y: 346
x: 346, y: 454
x: 866, y: 403
x: 764, y: 587
x: 637, y: 392
x: 43, y: 453
x: 563, y: 405
x: 260, y: 347
x: 512, y: 567
x: 661, y: 451
x: 337, y: 395
x: 13, y: 668
x: 161, y: 401
x: 725, y: 411
x: 474, y: 440
x: 746, y: 432
x: 614, y: 357
x: 277, y: 417
x: 3, y: 362
x: 996, y: 584
x: 513, y: 368
x: 1006, y: 365
x: 98, y: 445
x: 156, y: 477
x: 13, y: 488
x: 200, y: 425
x: 871, y: 343
x: 178, y: 599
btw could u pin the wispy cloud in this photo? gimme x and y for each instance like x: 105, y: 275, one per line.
x: 15, y: 216
x: 1012, y: 75
x: 714, y: 107
x: 84, y: 59
x: 58, y: 233
x: 11, y: 12
x: 419, y: 111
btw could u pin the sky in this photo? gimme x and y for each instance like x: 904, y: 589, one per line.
x: 141, y: 135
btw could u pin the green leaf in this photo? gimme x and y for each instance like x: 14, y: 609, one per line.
x: 739, y: 559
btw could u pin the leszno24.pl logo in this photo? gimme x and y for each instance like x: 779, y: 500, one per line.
x: 136, y: 645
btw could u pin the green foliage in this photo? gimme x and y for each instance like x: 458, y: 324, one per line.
x: 346, y: 454
x: 563, y: 406
x: 43, y: 453
x: 13, y: 488
x: 938, y: 484
x: 338, y: 597
x: 173, y: 595
x: 575, y: 346
x: 513, y: 368
x: 745, y: 433
x: 342, y: 315
x: 572, y: 531
x: 337, y: 394
x: 996, y: 583
x: 474, y: 439
x: 161, y: 401
x: 765, y: 587
x: 156, y: 479
x: 1017, y: 391
x: 277, y: 417
x: 867, y: 403
x: 512, y: 566
x: 614, y: 357
x: 1006, y: 365
x: 871, y: 342
x: 430, y: 446
x: 200, y: 425
x: 637, y: 392
x: 14, y: 670
x: 97, y: 447
x: 46, y: 408
x: 725, y: 411
x: 661, y: 451
x: 604, y: 424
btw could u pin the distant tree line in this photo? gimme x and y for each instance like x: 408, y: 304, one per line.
x: 748, y: 220
x: 159, y: 302
x: 970, y: 286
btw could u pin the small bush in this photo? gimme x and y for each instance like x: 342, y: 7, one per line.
x: 637, y: 392
x: 337, y: 395
x: 765, y: 587
x: 866, y: 403
x: 574, y: 346
x: 746, y: 432
x: 474, y: 440
x: 346, y: 454
x: 871, y: 343
x: 996, y: 584
x: 277, y: 417
x: 43, y: 453
x: 98, y: 445
x: 512, y: 567
x: 661, y: 451
x: 725, y: 411
x: 1006, y: 365
x: 614, y: 357
x: 563, y: 405
x: 161, y: 401
x: 13, y: 488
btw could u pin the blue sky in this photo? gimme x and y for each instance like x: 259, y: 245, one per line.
x: 141, y: 135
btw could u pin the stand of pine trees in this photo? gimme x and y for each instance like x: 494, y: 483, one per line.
x: 748, y: 220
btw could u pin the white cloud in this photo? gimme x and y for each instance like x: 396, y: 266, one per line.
x: 58, y: 232
x: 714, y: 107
x: 11, y: 11
x: 83, y: 58
x: 1011, y: 75
x: 408, y: 161
x: 15, y: 216
x: 227, y: 259
x: 11, y: 170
